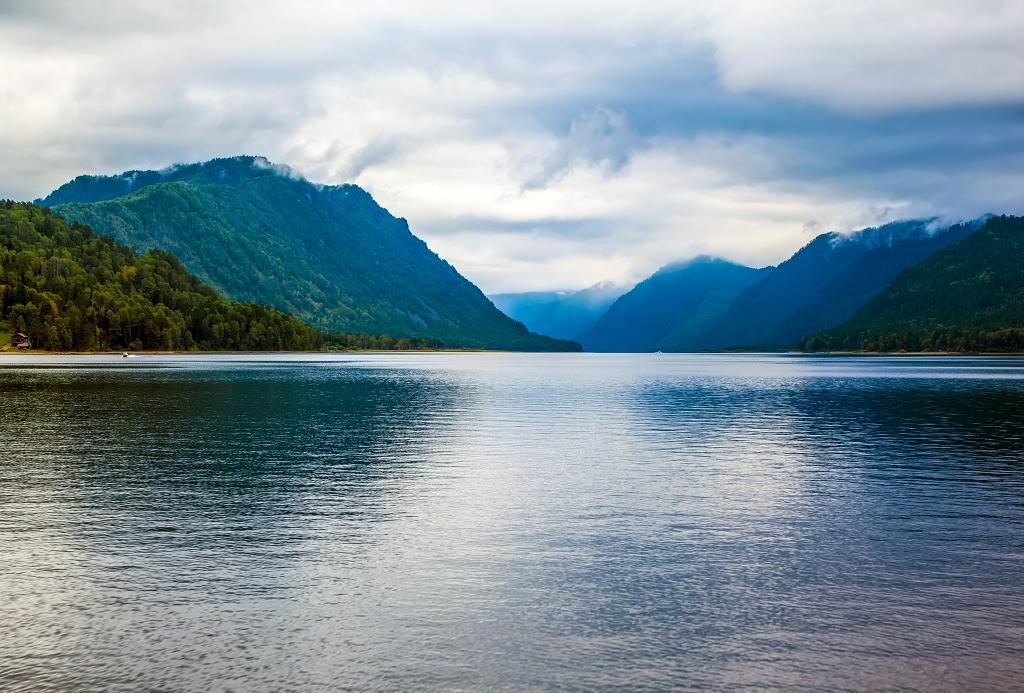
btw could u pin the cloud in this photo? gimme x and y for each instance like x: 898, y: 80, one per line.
x: 873, y: 57
x: 599, y: 137
x: 376, y: 152
x: 540, y: 144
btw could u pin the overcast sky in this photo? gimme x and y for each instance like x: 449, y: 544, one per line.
x: 540, y: 145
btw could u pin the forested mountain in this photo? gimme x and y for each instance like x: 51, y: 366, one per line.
x: 966, y: 297
x: 327, y: 254
x: 564, y: 314
x: 682, y: 308
x: 825, y: 282
x: 671, y: 309
x: 67, y: 288
x: 865, y: 277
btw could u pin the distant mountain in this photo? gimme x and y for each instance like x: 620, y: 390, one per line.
x: 327, y: 254
x: 564, y: 314
x: 826, y: 282
x: 968, y: 296
x: 671, y: 309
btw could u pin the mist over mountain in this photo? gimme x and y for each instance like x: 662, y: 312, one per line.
x: 968, y: 296
x: 712, y: 304
x: 328, y: 254
x: 826, y: 281
x: 671, y: 309
x: 865, y: 277
x: 564, y: 314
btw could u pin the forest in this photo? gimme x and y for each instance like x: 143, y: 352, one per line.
x: 71, y: 290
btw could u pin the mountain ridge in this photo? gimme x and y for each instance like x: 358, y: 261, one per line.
x: 826, y: 281
x: 669, y: 309
x: 328, y: 254
x: 968, y: 296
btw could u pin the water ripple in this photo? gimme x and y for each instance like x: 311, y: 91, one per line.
x: 497, y: 521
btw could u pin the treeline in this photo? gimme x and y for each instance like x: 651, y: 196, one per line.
x: 341, y: 340
x: 951, y: 339
x: 71, y: 290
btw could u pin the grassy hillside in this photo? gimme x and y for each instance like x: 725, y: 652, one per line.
x: 966, y: 297
x: 329, y: 255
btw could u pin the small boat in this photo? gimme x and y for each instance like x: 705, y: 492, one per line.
x: 124, y: 355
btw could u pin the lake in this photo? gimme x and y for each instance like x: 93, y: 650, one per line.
x: 517, y: 521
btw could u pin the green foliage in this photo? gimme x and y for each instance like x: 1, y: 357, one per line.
x: 371, y: 342
x: 328, y: 255
x: 69, y: 289
x: 968, y: 297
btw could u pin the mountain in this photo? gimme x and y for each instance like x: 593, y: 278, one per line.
x: 564, y: 314
x: 826, y: 282
x: 671, y: 309
x: 864, y: 278
x: 968, y: 296
x: 67, y: 288
x: 327, y: 254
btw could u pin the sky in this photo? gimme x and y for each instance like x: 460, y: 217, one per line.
x: 543, y: 145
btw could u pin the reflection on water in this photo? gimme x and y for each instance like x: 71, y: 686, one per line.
x: 511, y: 521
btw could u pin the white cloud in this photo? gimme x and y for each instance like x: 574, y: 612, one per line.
x: 542, y: 144
x: 599, y: 137
x: 871, y: 57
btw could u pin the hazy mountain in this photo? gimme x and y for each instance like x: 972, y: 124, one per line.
x: 826, y: 281
x: 564, y: 314
x: 968, y: 296
x: 328, y: 254
x: 671, y: 309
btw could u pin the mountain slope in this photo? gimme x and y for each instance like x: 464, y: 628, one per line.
x: 869, y: 274
x: 966, y: 297
x: 564, y: 314
x: 67, y: 288
x: 326, y: 254
x: 825, y: 282
x: 672, y: 308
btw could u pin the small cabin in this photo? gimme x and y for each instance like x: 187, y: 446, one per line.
x: 20, y: 340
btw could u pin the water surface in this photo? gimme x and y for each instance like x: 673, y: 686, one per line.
x: 477, y: 521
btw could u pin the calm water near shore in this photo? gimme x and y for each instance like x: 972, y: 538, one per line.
x: 478, y: 521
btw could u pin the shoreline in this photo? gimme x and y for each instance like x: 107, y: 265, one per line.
x: 904, y: 353
x: 38, y: 352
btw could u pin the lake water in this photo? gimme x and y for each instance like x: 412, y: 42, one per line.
x: 482, y: 521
